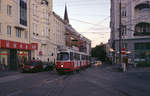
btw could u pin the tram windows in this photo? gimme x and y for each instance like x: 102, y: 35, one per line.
x: 63, y: 56
x: 75, y: 56
x: 78, y: 56
x: 87, y: 58
x: 83, y: 57
x: 71, y: 56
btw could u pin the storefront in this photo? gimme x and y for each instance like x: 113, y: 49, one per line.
x: 14, y: 53
x: 3, y: 59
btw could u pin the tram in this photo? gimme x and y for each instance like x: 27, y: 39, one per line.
x: 69, y: 61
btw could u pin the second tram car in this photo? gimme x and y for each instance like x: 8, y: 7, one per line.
x: 68, y: 61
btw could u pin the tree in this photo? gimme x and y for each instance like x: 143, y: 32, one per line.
x: 99, y: 52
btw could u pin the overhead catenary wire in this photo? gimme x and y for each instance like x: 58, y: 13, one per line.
x: 79, y: 20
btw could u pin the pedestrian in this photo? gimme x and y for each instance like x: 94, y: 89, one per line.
x: 48, y: 59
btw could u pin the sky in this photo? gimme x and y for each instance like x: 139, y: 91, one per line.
x: 90, y: 18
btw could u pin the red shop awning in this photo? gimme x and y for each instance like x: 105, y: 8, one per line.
x: 18, y: 45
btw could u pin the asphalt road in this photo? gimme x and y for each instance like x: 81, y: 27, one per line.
x: 95, y: 81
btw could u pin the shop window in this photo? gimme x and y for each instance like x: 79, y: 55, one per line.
x: 23, y: 56
x: 3, y: 59
x: 142, y: 46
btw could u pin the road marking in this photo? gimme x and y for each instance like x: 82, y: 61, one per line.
x: 10, y: 78
x: 15, y: 93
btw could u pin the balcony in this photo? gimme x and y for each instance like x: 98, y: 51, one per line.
x: 19, y: 26
x: 45, y: 40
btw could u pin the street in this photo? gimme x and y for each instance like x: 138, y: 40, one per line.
x: 94, y: 81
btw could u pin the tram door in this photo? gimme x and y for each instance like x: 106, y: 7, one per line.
x: 13, y: 59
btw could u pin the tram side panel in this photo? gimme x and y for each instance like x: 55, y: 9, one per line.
x: 65, y: 66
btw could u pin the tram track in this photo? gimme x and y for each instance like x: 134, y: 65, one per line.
x: 60, y: 85
x: 52, y: 83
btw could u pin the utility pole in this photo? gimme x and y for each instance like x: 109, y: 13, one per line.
x: 120, y: 37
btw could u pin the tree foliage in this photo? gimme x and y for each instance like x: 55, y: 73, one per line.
x: 99, y: 52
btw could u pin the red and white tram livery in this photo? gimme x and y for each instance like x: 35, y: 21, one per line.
x: 71, y: 60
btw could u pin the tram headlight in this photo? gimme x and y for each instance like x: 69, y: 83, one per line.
x: 62, y: 66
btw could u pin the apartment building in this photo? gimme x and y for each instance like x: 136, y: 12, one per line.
x: 40, y: 28
x: 74, y: 39
x: 30, y: 29
x: 135, y: 30
x: 66, y: 37
x: 14, y: 33
x: 58, y: 34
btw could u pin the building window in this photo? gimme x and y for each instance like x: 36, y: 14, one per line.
x: 26, y: 35
x: 142, y: 29
x: 124, y: 30
x: 0, y: 28
x: 9, y: 8
x: 18, y: 33
x: 23, y: 12
x: 35, y: 10
x: 9, y: 30
x: 143, y: 8
x: 142, y: 46
x: 123, y: 12
x: 142, y: 51
x: 35, y: 29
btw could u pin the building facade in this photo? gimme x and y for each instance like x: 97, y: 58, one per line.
x: 77, y: 41
x: 30, y: 29
x: 58, y: 35
x: 40, y: 28
x: 74, y: 39
x: 135, y: 28
x: 14, y: 34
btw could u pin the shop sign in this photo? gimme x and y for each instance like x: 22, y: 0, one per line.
x: 18, y: 45
x: 34, y: 46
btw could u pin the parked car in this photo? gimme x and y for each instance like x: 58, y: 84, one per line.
x: 47, y: 66
x: 32, y: 66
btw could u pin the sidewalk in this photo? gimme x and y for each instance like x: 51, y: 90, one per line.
x: 8, y: 73
x: 145, y: 69
x: 115, y: 68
